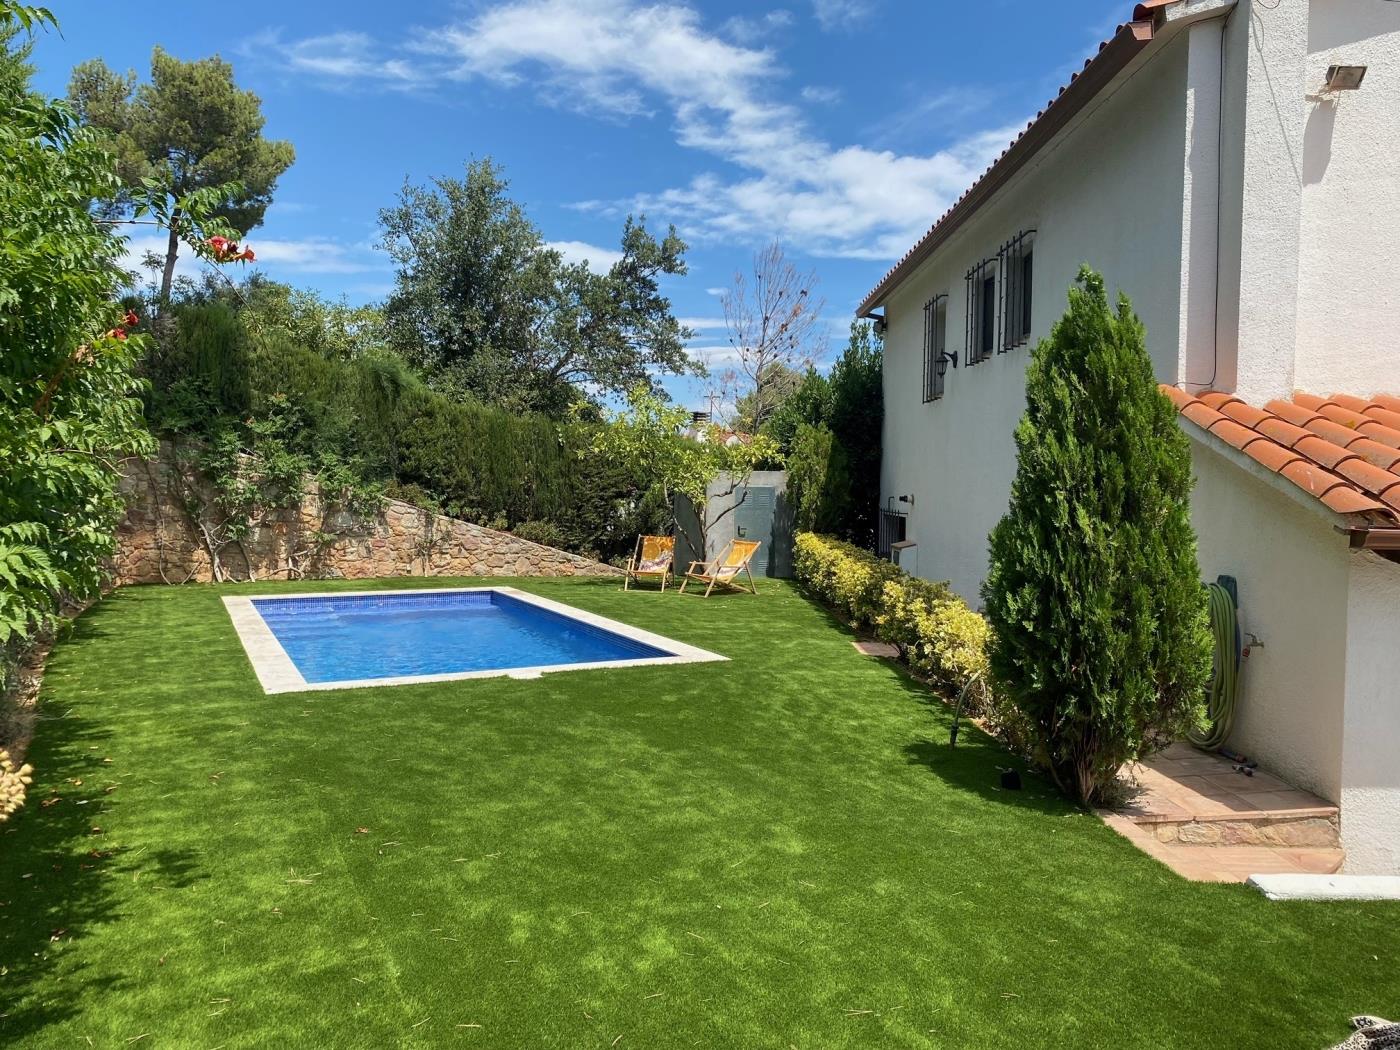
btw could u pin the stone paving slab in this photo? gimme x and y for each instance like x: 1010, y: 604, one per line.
x: 1209, y: 823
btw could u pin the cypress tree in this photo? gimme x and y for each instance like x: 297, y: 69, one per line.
x: 1101, y: 643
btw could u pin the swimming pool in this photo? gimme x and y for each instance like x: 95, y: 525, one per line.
x: 340, y: 641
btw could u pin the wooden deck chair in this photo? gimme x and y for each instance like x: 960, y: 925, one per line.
x: 654, y: 558
x: 725, y: 569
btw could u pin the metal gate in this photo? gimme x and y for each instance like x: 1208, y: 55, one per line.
x: 753, y: 520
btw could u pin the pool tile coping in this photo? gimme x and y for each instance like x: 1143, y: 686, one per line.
x: 277, y: 673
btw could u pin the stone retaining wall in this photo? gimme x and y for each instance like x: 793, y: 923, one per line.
x: 158, y: 543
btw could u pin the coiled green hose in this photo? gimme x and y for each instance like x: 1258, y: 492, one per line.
x: 1224, y: 683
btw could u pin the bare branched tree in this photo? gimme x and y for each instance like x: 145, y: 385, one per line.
x: 772, y: 318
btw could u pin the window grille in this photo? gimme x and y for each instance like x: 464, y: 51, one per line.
x: 936, y: 356
x: 1015, y: 263
x: 981, y: 311
x: 893, y: 524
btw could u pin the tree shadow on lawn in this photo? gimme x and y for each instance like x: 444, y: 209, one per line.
x: 57, y: 868
x: 976, y: 764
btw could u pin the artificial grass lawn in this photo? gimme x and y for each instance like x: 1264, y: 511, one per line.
x: 780, y: 851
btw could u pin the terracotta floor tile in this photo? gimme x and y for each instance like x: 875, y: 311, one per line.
x: 1283, y: 800
x: 1183, y: 784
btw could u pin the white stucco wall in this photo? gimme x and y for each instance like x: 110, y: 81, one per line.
x: 1108, y: 192
x: 1371, y: 735
x: 1292, y: 569
x: 1320, y: 702
x: 1268, y: 39
x: 1349, y: 242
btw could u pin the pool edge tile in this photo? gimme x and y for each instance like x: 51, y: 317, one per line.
x: 274, y: 669
x: 277, y: 673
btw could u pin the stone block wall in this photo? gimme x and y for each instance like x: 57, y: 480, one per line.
x: 158, y: 543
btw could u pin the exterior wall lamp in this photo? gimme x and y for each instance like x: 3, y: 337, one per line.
x: 941, y: 362
x: 1345, y: 78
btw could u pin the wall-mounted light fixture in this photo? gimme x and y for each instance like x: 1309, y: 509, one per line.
x: 1345, y: 78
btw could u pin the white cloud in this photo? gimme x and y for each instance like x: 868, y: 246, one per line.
x: 703, y: 324
x: 716, y: 291
x: 838, y: 14
x: 312, y: 255
x: 747, y: 29
x: 139, y: 247
x: 315, y: 255
x: 623, y: 58
x: 338, y: 57
x: 821, y: 95
x: 599, y: 260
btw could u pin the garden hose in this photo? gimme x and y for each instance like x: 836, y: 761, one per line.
x: 1224, y: 682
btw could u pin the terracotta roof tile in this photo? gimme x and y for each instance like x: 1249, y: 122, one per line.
x: 1383, y: 456
x: 1322, y: 451
x: 1349, y: 501
x: 1283, y: 432
x: 1338, y: 414
x: 1237, y: 435
x: 1311, y: 478
x: 1335, y: 432
x: 1309, y: 401
x: 1180, y: 398
x: 1384, y: 415
x: 1216, y: 399
x: 1364, y: 476
x: 1340, y: 449
x: 1295, y: 414
x: 1273, y: 456
x: 1242, y: 413
x: 1381, y: 433
x: 1203, y: 415
x: 1356, y: 404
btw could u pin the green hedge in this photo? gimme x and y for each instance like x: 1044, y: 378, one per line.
x: 470, y: 460
x: 938, y: 635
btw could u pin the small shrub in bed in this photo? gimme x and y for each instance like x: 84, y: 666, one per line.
x: 938, y: 635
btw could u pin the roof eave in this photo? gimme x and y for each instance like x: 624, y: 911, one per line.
x: 1098, y: 73
x: 1347, y: 524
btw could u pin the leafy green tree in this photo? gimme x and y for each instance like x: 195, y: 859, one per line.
x: 189, y: 129
x: 818, y: 480
x: 809, y: 403
x: 1099, y: 618
x: 68, y: 405
x: 332, y: 328
x: 756, y: 408
x: 646, y: 438
x: 488, y: 310
x: 856, y: 420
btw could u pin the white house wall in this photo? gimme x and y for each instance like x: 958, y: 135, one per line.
x: 1108, y: 192
x: 1292, y: 569
x: 1371, y: 763
x: 1349, y: 258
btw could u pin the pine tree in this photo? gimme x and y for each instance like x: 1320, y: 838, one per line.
x: 1099, y: 619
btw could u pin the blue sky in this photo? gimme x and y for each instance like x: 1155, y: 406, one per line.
x: 841, y: 128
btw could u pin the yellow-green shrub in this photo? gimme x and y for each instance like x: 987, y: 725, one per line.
x: 14, y: 779
x: 937, y: 634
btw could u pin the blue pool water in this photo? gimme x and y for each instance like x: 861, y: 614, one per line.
x: 336, y: 639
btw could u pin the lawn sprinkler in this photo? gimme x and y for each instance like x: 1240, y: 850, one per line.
x: 958, y: 709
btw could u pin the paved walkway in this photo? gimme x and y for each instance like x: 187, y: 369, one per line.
x: 1211, y: 823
